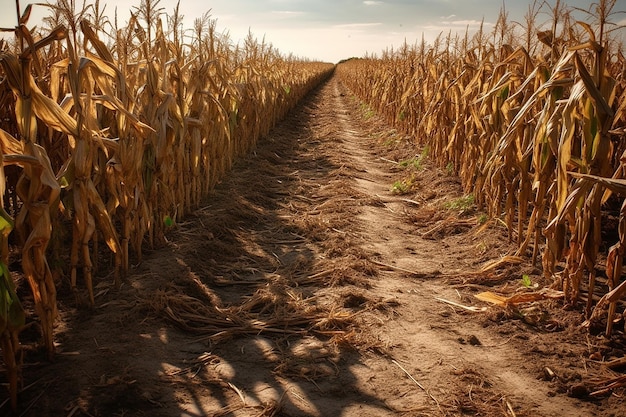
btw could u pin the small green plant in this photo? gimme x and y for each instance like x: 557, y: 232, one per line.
x: 526, y: 282
x: 416, y: 162
x: 367, y: 111
x: 412, y: 162
x: 168, y: 221
x: 482, y: 219
x: 399, y: 187
x: 450, y: 169
x: 462, y: 203
x: 402, y: 116
x: 403, y: 186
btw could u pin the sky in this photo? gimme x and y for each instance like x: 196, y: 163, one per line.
x: 331, y: 30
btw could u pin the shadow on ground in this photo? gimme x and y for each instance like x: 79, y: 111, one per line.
x: 249, y: 310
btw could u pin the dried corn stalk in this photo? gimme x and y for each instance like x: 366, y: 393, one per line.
x: 517, y: 121
x: 125, y: 140
x: 12, y: 314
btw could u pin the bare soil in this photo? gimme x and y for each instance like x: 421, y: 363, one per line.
x: 333, y: 273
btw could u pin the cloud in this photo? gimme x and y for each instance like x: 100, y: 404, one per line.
x: 287, y: 13
x: 373, y: 3
x: 458, y: 26
x: 356, y: 25
x: 464, y: 23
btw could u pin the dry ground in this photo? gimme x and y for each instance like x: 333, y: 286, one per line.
x: 332, y: 274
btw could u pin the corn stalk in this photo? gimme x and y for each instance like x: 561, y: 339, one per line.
x: 520, y: 121
x: 12, y: 316
x: 117, y: 141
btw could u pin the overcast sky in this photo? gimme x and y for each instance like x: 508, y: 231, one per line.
x: 331, y: 30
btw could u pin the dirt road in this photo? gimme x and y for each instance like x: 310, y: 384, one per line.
x: 332, y: 274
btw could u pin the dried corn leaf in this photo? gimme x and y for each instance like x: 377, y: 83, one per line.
x: 519, y: 298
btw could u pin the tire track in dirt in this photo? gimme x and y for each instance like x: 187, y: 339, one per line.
x: 424, y: 335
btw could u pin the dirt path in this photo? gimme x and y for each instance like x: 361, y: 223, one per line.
x: 306, y: 287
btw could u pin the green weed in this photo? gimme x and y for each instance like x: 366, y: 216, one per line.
x: 403, y: 186
x: 462, y: 203
x: 416, y: 162
x: 413, y: 162
x: 367, y: 111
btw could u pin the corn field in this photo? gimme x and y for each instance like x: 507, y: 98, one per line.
x: 111, y: 135
x: 533, y: 119
x: 116, y: 134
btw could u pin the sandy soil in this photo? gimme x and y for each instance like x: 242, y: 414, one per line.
x: 332, y: 274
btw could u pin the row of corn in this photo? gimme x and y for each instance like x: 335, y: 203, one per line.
x: 533, y: 119
x: 118, y: 133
